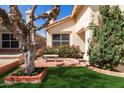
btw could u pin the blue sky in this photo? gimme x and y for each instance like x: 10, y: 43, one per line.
x: 65, y: 10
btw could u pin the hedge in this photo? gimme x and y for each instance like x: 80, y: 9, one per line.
x: 63, y: 51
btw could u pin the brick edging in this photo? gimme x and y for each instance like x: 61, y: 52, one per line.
x: 107, y: 72
x: 26, y: 79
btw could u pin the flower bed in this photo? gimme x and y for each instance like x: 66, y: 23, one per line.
x: 16, y: 78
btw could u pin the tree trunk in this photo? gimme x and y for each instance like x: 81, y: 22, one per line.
x: 31, y: 53
x: 29, y: 60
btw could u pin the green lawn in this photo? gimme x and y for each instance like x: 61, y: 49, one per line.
x: 72, y: 78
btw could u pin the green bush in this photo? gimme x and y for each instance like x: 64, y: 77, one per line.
x: 106, y: 49
x: 63, y: 51
x: 50, y: 50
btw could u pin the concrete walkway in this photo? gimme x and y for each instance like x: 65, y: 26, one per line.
x: 8, y: 62
x: 9, y: 56
x: 4, y: 62
x: 6, y: 59
x: 61, y: 62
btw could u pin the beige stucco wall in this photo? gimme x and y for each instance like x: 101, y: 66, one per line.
x: 67, y: 27
x: 78, y: 40
x: 121, y: 7
x: 74, y: 28
x: 85, y: 17
x: 88, y: 36
x: 83, y: 21
x: 49, y: 38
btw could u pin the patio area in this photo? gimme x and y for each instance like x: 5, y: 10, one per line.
x: 61, y: 62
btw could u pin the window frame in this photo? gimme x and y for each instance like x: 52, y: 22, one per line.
x: 10, y: 41
x: 61, y: 40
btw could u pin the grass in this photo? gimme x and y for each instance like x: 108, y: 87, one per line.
x: 72, y: 78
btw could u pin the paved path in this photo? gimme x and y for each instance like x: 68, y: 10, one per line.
x: 6, y: 59
x: 8, y: 64
x: 9, y: 56
x: 4, y: 62
x: 61, y: 62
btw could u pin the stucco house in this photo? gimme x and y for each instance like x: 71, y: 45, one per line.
x: 75, y: 28
x: 9, y: 45
x: 70, y: 30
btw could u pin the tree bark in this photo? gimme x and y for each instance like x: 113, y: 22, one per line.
x: 29, y: 60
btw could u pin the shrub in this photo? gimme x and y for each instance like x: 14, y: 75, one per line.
x: 106, y: 49
x: 50, y: 50
x: 63, y: 51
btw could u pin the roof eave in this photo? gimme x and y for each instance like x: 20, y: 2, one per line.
x: 75, y: 11
x: 58, y: 22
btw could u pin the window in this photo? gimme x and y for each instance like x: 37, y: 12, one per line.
x: 60, y: 39
x: 8, y: 41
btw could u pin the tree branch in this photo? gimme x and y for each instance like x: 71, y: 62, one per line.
x: 33, y: 10
x: 15, y: 26
x: 14, y: 22
x: 4, y: 17
x: 48, y: 16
